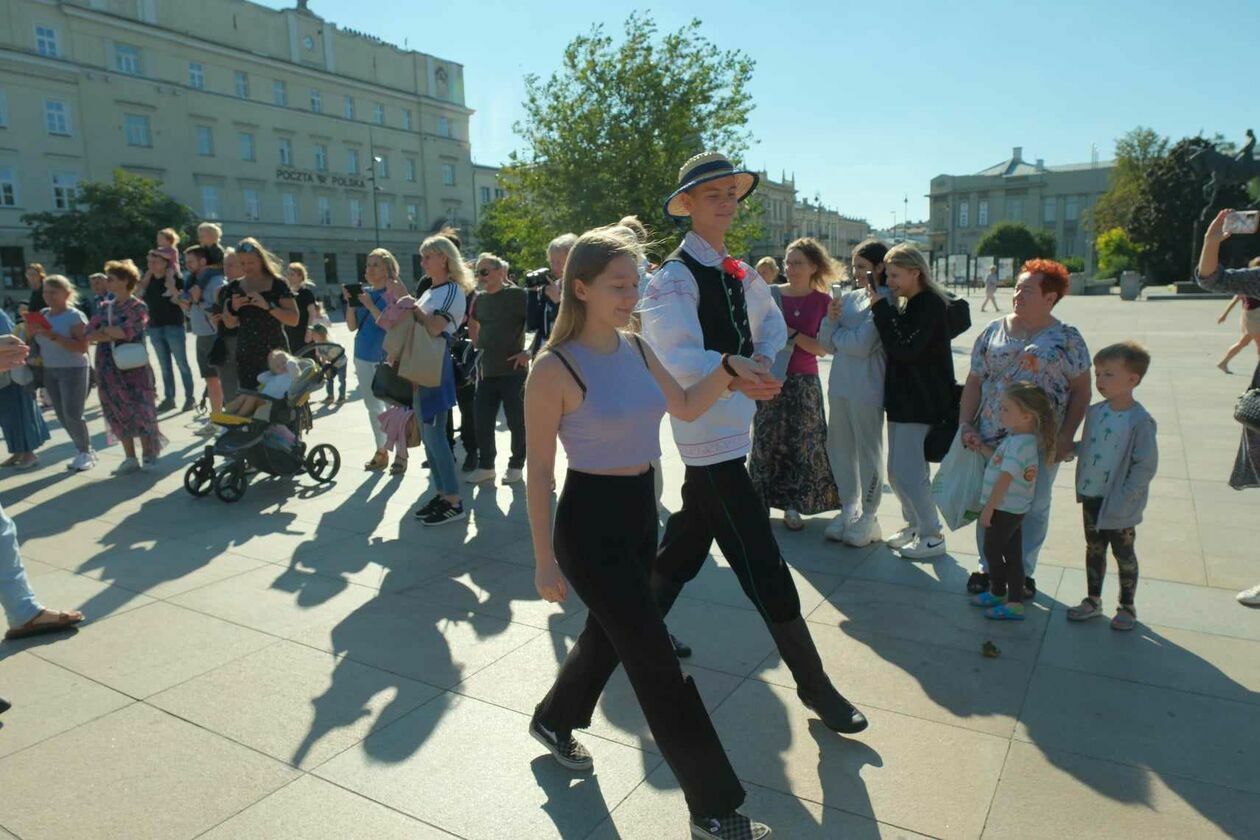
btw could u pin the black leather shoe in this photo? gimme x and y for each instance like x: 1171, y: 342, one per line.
x: 681, y: 649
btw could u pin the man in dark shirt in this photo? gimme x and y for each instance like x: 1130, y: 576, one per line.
x: 544, y: 291
x: 35, y: 279
x: 497, y: 329
x: 161, y: 286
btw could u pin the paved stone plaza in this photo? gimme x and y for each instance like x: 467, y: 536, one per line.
x: 311, y: 663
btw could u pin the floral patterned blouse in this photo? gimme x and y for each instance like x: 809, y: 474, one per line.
x: 1051, y: 359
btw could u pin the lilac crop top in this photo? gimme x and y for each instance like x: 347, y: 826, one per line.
x: 618, y: 423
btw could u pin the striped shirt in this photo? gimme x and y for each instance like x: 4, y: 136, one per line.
x: 448, y: 300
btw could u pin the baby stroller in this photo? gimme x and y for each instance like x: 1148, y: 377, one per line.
x: 271, y: 441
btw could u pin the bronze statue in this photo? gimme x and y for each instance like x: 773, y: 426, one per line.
x: 1224, y: 170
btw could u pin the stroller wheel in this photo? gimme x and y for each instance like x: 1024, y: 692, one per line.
x: 230, y: 482
x: 323, y: 462
x: 199, y: 479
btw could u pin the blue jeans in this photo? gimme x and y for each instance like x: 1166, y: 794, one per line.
x: 438, y: 450
x: 16, y: 596
x: 1036, y: 521
x: 341, y: 378
x: 167, y: 342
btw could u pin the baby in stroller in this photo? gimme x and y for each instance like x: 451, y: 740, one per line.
x: 274, y: 384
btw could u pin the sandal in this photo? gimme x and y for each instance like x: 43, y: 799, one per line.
x: 10, y: 461
x: 379, y: 462
x: 978, y: 582
x: 1089, y: 608
x: 1006, y: 612
x: 1124, y: 619
x: 988, y: 599
x: 53, y: 621
x: 399, y: 467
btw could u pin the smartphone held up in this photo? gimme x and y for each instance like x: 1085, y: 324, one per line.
x: 1242, y: 222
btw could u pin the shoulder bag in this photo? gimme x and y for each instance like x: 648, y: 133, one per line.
x: 128, y: 355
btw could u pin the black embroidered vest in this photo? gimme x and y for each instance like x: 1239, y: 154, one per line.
x: 722, y: 309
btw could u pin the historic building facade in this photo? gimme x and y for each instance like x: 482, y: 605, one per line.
x: 317, y: 139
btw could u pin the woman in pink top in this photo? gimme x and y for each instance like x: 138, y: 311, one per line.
x: 789, y: 465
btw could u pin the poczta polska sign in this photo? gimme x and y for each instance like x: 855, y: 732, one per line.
x: 325, y: 179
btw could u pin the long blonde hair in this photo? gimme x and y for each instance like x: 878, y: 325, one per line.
x: 1033, y: 400
x: 58, y: 281
x: 270, y: 264
x: 588, y: 259
x: 909, y: 257
x: 815, y: 252
x: 455, y: 267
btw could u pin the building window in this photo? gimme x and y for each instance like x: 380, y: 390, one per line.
x: 356, y: 213
x: 205, y: 141
x: 136, y: 127
x: 280, y: 93
x: 196, y: 76
x: 241, y: 80
x: 317, y: 101
x: 444, y: 127
x: 1049, y: 209
x: 982, y: 213
x: 246, y: 142
x: 325, y: 211
x: 448, y: 175
x: 127, y: 59
x: 46, y: 41
x: 360, y: 265
x: 384, y: 214
x: 288, y: 203
x: 321, y: 157
x: 1015, y: 209
x: 56, y: 117
x: 352, y: 161
x: 1072, y: 208
x: 499, y: 192
x: 330, y: 268
x: 409, y: 165
x: 406, y: 119
x: 349, y: 107
x: 485, y: 195
x: 8, y: 187
x: 64, y: 190
x: 209, y: 202
x: 253, y: 207
x: 286, y: 151
x: 964, y: 211
x: 378, y: 114
x: 413, y: 217
x: 382, y: 166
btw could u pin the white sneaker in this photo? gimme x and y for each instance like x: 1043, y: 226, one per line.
x: 902, y: 538
x: 1250, y: 597
x: 207, y: 429
x: 478, y: 476
x: 792, y: 520
x: 864, y: 531
x: 836, y: 528
x: 83, y: 461
x: 128, y: 466
x: 924, y: 547
x: 512, y: 476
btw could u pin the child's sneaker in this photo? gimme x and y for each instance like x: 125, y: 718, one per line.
x: 1005, y: 612
x: 988, y: 599
x: 1087, y: 609
x: 1125, y: 618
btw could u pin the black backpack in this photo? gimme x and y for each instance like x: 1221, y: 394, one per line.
x: 957, y: 315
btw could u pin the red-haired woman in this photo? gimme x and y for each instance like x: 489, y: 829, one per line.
x: 1029, y: 345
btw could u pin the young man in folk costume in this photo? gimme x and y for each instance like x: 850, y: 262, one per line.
x: 701, y: 304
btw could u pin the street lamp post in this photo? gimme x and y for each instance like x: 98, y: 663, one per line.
x: 376, y: 213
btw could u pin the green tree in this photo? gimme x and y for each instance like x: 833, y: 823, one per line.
x: 111, y: 221
x: 1016, y: 241
x: 604, y: 136
x: 1116, y: 253
x: 1136, y: 153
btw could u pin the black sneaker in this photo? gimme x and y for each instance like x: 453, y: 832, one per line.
x: 189, y: 404
x: 681, y: 649
x: 470, y: 462
x: 733, y: 826
x: 570, y: 754
x: 427, y: 508
x: 1030, y: 588
x: 444, y: 512
x: 978, y: 582
x: 167, y: 404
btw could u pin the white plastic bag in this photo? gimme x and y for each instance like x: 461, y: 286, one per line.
x: 958, y: 484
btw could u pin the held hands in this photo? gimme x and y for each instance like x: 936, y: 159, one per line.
x: 971, y: 438
x: 1065, y: 450
x: 13, y: 352
x: 549, y: 581
x: 754, y: 380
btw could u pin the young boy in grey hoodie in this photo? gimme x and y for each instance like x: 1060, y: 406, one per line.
x: 1116, y: 459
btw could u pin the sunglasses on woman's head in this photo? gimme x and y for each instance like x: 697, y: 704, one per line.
x: 246, y: 248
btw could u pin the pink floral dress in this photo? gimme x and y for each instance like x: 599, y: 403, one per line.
x: 128, y: 397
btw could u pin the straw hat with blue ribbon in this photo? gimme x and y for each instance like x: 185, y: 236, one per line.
x: 704, y: 167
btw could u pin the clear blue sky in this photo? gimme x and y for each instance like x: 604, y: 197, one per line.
x: 867, y: 102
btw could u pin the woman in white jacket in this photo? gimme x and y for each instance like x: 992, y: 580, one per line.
x: 855, y: 395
